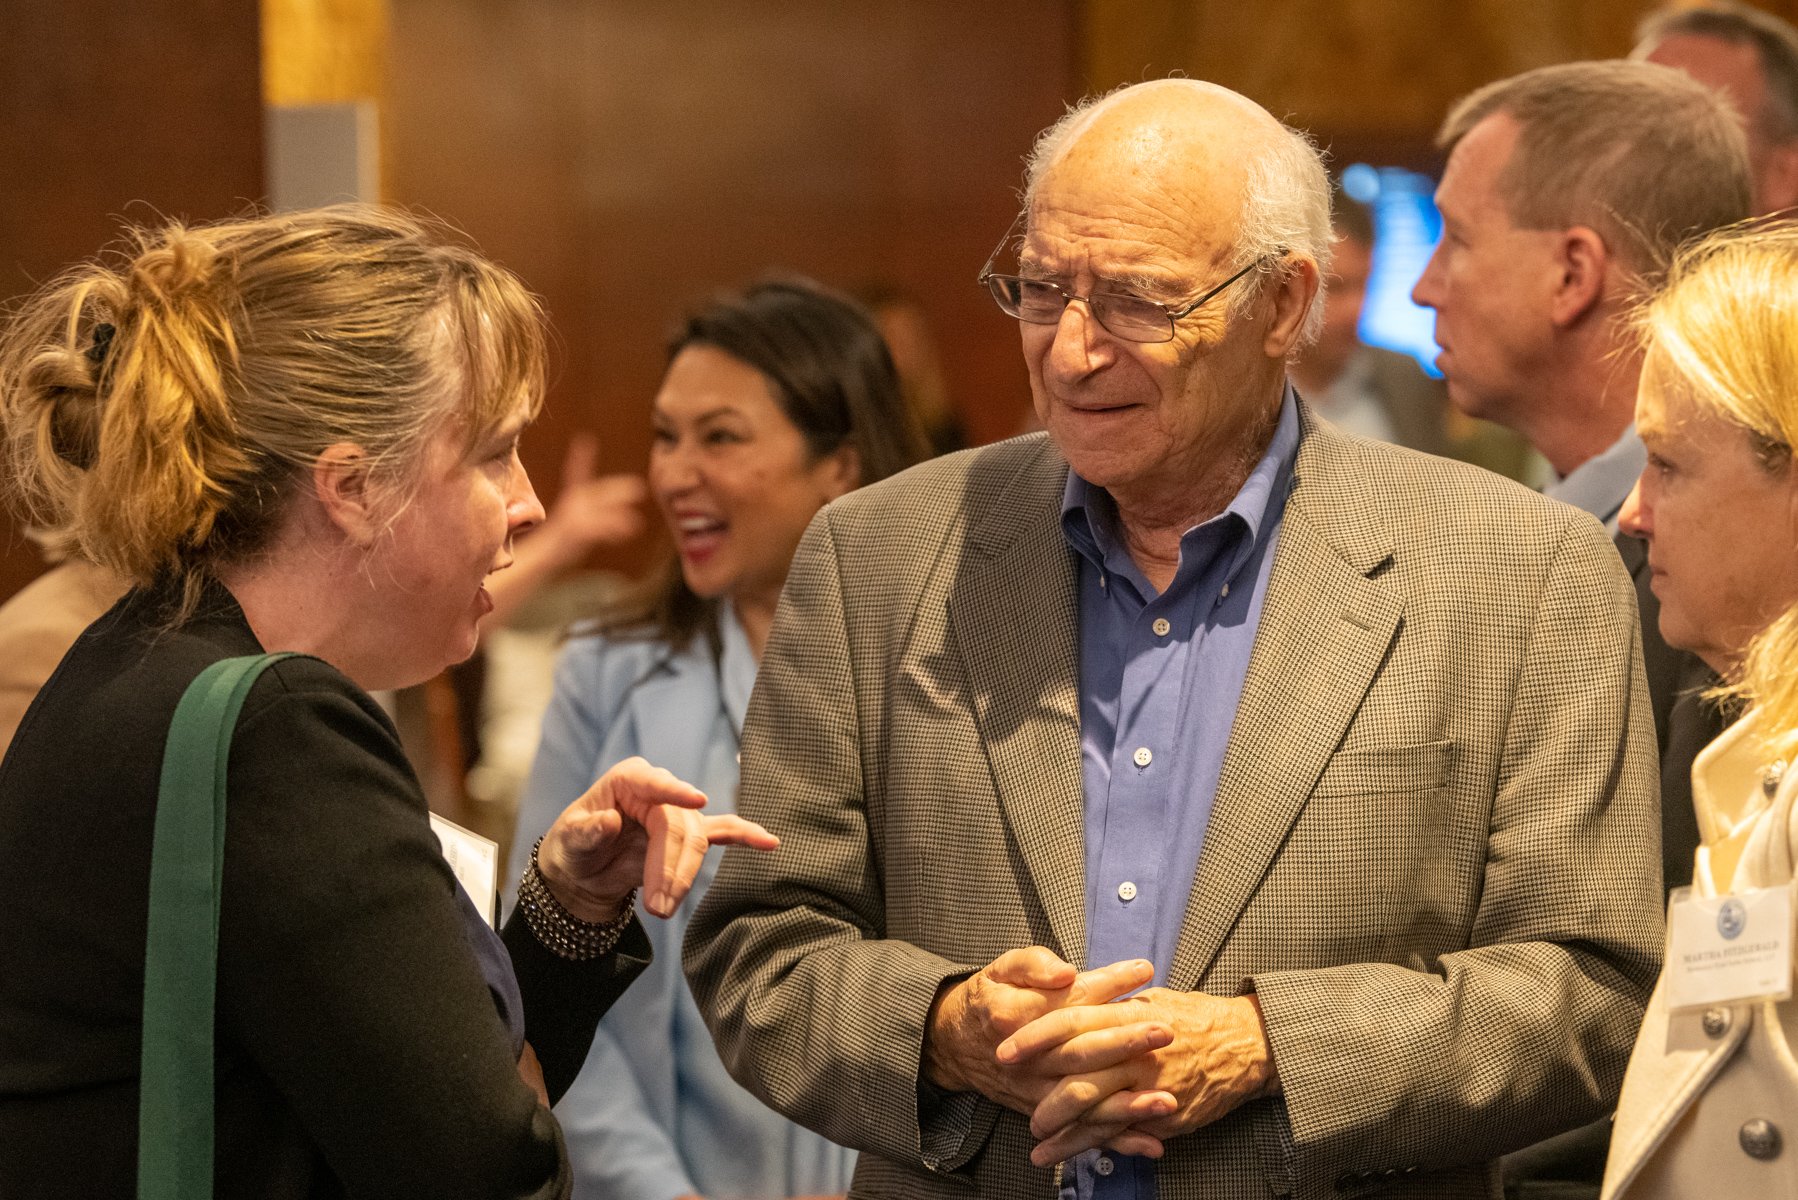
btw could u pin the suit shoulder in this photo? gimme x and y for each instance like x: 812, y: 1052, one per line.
x: 1441, y: 495
x: 942, y: 493
x: 304, y: 687
x: 1453, y: 529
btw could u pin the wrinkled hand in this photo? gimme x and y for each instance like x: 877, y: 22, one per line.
x: 636, y: 827
x: 972, y: 1018
x: 1216, y: 1059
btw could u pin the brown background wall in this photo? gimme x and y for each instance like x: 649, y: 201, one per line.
x: 111, y: 112
x: 628, y: 157
x: 661, y: 152
x: 1369, y: 77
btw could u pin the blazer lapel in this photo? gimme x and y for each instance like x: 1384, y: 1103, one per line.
x: 1013, y: 609
x: 1326, y: 627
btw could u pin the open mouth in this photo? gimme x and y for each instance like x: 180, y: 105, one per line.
x: 697, y: 535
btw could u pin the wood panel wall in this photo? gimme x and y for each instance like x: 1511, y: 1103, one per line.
x: 116, y: 112
x: 629, y: 158
x: 1369, y: 78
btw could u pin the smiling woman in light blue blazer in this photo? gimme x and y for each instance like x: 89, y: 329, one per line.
x: 775, y: 402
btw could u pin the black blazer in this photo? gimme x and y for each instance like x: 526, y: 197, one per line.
x: 359, y: 1051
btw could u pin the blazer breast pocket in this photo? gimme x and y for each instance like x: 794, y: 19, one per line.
x: 1376, y: 770
x: 1385, y: 859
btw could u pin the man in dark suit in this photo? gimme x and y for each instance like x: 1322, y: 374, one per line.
x: 1566, y: 190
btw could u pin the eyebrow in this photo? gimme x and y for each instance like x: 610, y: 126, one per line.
x: 1134, y: 281
x: 507, y: 435
x: 509, y: 430
x: 722, y: 410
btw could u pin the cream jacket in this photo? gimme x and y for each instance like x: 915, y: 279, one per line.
x: 1710, y: 1103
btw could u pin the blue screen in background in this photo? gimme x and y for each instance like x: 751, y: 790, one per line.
x: 1406, y: 228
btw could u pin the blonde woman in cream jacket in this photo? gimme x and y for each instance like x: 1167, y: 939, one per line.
x: 1710, y: 1103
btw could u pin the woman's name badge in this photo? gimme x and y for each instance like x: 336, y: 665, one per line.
x: 1729, y: 949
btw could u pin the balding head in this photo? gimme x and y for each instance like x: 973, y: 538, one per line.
x: 1174, y: 265
x: 1150, y: 119
x: 1264, y: 185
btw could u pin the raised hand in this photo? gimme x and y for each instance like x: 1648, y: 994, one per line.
x: 638, y: 826
x: 591, y: 509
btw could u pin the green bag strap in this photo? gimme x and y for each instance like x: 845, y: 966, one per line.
x: 174, y: 1128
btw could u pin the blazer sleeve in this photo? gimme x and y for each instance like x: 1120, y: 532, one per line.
x: 344, y: 972
x: 1388, y: 1069
x: 812, y: 1006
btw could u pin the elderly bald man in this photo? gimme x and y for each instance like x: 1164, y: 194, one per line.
x: 1341, y: 748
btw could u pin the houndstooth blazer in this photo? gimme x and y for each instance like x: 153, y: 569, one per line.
x: 1433, y: 852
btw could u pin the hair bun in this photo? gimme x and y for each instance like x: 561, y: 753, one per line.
x: 179, y: 266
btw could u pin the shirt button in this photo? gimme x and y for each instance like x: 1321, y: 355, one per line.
x: 1142, y: 757
x: 1104, y: 1165
x: 1126, y: 891
x: 1161, y: 627
x: 1771, y: 776
x: 1225, y: 594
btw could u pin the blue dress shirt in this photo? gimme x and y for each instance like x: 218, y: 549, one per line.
x: 1160, y: 677
x: 1601, y: 484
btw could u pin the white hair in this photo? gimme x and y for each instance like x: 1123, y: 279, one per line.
x: 1285, y: 204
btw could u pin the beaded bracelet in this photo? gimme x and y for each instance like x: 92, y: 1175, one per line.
x: 561, y: 932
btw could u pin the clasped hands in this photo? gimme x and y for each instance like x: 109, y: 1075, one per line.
x: 638, y: 826
x: 1035, y: 1035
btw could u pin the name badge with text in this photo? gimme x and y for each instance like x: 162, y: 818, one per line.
x: 1729, y: 949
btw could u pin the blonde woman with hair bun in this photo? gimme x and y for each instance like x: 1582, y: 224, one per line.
x: 1710, y: 1102
x: 296, y: 433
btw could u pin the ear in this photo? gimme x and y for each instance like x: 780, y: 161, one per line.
x: 1583, y: 263
x: 340, y: 484
x: 1295, y: 286
x: 841, y: 470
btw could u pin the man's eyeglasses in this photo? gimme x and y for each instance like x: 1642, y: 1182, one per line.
x: 1040, y: 302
